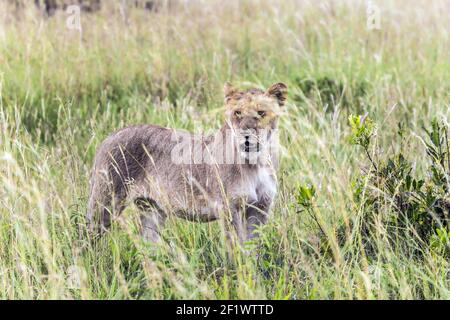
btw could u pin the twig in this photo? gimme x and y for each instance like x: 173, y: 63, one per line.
x: 370, y: 158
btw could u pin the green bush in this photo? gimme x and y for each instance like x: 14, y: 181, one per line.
x: 407, y: 203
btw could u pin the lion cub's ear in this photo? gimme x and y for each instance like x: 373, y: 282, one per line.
x: 229, y: 91
x: 279, y: 91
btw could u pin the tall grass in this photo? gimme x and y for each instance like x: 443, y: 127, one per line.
x: 63, y: 91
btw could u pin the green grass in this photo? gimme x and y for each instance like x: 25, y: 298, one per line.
x: 61, y: 93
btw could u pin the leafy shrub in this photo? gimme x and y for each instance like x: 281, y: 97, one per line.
x: 417, y: 206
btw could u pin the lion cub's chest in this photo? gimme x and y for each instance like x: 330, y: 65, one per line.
x: 259, y: 186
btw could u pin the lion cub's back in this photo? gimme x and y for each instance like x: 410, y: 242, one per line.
x: 129, y: 152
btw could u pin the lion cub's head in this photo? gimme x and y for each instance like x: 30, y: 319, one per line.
x: 253, y: 115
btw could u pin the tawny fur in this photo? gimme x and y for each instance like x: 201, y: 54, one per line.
x: 136, y: 165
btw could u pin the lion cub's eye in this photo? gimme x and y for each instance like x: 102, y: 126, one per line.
x: 237, y: 113
x: 262, y: 114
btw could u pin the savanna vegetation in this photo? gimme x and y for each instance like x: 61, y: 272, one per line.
x: 363, y: 206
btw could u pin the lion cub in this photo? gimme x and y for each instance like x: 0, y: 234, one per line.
x: 230, y: 174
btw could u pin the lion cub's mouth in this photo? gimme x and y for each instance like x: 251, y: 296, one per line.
x: 250, y: 144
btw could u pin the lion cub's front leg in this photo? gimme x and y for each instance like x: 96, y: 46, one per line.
x: 246, y: 218
x: 237, y: 208
x: 256, y: 215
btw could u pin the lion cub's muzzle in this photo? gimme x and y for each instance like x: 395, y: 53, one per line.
x: 249, y: 142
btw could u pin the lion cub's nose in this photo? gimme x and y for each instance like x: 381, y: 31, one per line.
x: 247, y: 142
